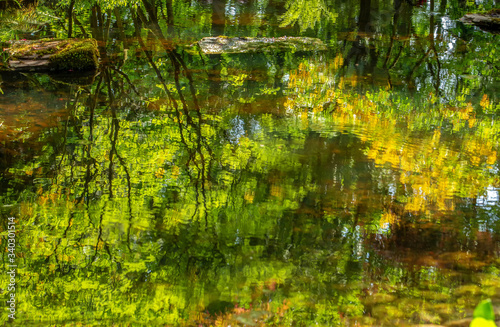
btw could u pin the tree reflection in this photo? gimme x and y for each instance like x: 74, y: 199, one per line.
x: 328, y: 188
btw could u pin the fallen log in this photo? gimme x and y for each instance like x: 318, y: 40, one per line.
x: 489, y: 21
x: 54, y: 55
x: 222, y: 44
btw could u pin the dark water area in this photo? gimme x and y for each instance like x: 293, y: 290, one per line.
x: 356, y: 186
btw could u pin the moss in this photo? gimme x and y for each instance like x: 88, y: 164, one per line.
x: 69, y: 54
x: 78, y: 55
x: 25, y: 48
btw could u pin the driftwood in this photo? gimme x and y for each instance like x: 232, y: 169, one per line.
x: 221, y: 44
x: 54, y: 55
x: 489, y: 21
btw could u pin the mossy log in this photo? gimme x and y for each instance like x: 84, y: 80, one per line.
x: 54, y: 55
x: 221, y: 44
x: 489, y: 21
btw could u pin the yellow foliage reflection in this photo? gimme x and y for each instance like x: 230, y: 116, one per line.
x: 415, y: 142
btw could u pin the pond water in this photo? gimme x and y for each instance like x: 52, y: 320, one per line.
x: 357, y: 186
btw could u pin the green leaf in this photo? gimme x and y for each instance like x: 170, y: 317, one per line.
x: 481, y: 322
x: 484, y: 310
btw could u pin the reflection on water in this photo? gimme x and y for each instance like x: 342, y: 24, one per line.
x: 353, y: 186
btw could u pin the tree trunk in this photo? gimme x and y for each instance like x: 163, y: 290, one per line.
x: 364, y: 15
x: 218, y: 17
x: 70, y: 18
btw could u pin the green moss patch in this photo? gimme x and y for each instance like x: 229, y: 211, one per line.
x: 54, y: 54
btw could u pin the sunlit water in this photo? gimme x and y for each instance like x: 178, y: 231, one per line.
x: 356, y: 186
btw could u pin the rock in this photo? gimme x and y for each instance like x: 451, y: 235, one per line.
x: 427, y: 317
x: 379, y: 298
x: 467, y: 291
x: 221, y: 44
x: 489, y: 21
x: 435, y: 296
x: 387, y: 312
x: 54, y: 55
x: 459, y: 323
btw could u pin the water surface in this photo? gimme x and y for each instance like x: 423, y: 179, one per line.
x: 356, y: 186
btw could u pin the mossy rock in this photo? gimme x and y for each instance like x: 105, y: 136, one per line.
x: 387, y: 312
x: 467, y: 291
x: 435, y: 296
x: 224, y: 44
x: 54, y: 55
x: 379, y: 298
